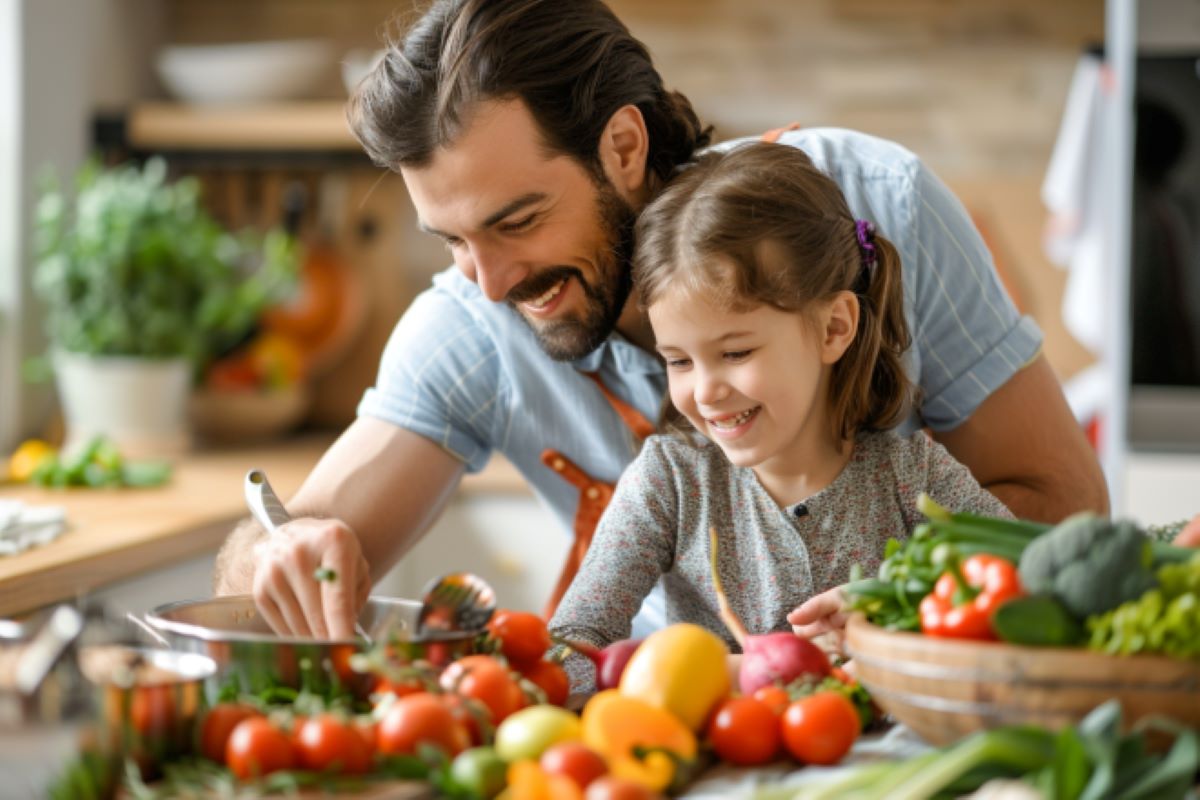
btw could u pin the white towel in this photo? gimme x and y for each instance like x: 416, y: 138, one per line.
x: 23, y: 526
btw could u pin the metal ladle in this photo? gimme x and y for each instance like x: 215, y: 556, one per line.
x: 457, y: 601
x: 266, y: 507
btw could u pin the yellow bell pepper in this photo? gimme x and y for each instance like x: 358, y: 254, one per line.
x: 682, y: 669
x: 26, y: 458
x: 616, y: 726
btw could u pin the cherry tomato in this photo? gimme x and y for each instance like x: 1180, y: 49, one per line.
x: 398, y: 688
x: 473, y: 715
x: 218, y: 723
x: 776, y: 698
x: 488, y: 681
x: 552, y: 679
x: 523, y: 636
x: 417, y: 719
x: 152, y: 709
x: 574, y: 760
x: 820, y: 728
x: 610, y: 788
x: 256, y: 748
x: 745, y: 732
x: 326, y: 742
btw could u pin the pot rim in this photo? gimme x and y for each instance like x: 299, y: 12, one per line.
x: 158, y: 618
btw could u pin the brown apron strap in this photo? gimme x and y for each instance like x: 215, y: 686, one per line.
x: 594, y: 495
x: 632, y: 418
x: 593, y: 499
x: 774, y: 134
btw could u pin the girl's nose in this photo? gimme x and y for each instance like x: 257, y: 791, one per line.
x: 710, y: 387
x: 495, y: 271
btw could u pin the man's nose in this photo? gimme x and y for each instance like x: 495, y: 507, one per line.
x: 494, y: 271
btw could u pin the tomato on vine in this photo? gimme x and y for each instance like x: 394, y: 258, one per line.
x: 745, y: 732
x: 820, y: 728
x: 523, y: 636
x: 256, y: 748
x: 326, y: 743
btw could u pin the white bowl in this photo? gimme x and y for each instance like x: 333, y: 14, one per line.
x: 245, y: 73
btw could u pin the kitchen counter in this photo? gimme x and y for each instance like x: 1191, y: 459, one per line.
x: 114, y: 535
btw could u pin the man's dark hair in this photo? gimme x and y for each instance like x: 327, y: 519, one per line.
x: 574, y: 64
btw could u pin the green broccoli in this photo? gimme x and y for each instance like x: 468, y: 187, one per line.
x: 1089, y: 563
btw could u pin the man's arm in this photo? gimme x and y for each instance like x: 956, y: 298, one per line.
x: 1024, y: 445
x: 369, y: 499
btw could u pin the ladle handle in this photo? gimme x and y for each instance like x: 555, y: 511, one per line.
x: 264, y: 504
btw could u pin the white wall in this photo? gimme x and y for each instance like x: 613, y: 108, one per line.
x: 60, y: 61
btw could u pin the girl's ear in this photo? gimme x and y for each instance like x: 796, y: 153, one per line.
x: 840, y: 326
x: 624, y: 148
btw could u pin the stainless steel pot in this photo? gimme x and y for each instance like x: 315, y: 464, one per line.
x: 231, y: 632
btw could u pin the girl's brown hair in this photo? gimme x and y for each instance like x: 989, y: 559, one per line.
x: 760, y: 224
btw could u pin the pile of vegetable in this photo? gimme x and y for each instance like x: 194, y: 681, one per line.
x: 1090, y: 761
x: 99, y: 464
x: 1086, y: 581
x: 494, y: 723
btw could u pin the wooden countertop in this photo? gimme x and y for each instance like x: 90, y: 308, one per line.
x: 118, y: 534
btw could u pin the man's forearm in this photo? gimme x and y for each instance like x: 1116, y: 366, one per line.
x: 234, y: 569
x: 1050, y: 502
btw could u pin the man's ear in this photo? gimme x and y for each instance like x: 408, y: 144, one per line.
x: 840, y: 326
x: 624, y: 147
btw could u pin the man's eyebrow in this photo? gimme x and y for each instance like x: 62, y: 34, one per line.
x: 514, y: 206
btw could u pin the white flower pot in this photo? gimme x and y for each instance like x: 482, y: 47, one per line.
x: 139, y: 403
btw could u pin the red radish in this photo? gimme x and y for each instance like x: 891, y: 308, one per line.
x: 770, y: 658
x: 610, y: 662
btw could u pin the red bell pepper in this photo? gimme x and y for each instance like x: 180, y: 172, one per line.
x: 962, y: 601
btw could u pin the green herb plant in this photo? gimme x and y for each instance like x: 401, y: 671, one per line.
x: 132, y: 265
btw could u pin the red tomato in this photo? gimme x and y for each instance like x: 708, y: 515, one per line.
x: 523, y: 636
x: 152, y: 709
x: 552, y: 679
x: 574, y: 760
x: 398, y: 688
x: 488, y: 681
x: 820, y: 728
x: 218, y: 723
x: 473, y: 715
x: 776, y: 697
x: 256, y: 748
x: 326, y: 742
x: 368, y: 729
x: 745, y: 732
x: 420, y: 718
x: 610, y: 788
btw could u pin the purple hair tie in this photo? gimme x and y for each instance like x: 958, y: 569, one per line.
x: 866, y: 242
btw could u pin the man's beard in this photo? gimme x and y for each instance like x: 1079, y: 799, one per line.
x: 576, y: 336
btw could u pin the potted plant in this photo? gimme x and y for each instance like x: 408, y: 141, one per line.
x: 142, y: 288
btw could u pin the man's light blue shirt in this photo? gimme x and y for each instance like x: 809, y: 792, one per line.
x: 469, y: 374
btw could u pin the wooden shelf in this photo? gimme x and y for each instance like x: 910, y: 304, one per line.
x: 305, y: 126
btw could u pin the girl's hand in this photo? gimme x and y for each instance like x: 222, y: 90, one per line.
x: 820, y: 614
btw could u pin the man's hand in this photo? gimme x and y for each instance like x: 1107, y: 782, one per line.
x: 820, y: 614
x: 311, y: 579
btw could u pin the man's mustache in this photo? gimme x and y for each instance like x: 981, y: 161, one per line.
x: 537, y: 285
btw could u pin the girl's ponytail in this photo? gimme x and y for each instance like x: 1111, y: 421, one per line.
x: 870, y: 387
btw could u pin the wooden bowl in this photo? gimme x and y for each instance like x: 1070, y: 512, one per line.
x: 945, y: 689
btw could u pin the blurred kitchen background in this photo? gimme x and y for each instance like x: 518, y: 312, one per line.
x: 978, y: 88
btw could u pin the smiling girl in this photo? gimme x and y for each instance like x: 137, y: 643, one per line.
x: 780, y: 318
